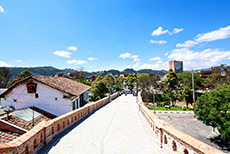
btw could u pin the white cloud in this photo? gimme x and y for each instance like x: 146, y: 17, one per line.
x: 157, y: 42
x: 159, y: 31
x: 125, y: 55
x: 135, y: 66
x: 198, y: 60
x: 18, y: 61
x: 187, y: 44
x: 166, y: 54
x: 128, y: 55
x: 74, y: 61
x: 135, y: 58
x: 155, y: 58
x: 1, y: 9
x: 176, y: 30
x: 156, y: 66
x: 221, y: 33
x: 64, y: 54
x: 4, y: 64
x: 92, y: 58
x: 72, y: 48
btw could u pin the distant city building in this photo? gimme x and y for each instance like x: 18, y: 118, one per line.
x: 73, y: 76
x: 176, y: 66
x: 204, y: 74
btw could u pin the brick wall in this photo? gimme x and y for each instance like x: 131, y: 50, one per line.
x: 171, y: 139
x: 45, y: 131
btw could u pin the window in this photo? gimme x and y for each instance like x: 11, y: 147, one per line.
x: 36, y: 95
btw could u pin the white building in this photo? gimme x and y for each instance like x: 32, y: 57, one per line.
x: 56, y: 95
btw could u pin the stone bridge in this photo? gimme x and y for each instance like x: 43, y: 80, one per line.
x: 116, y: 128
x: 121, y: 126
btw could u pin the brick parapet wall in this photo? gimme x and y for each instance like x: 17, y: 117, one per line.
x: 171, y: 139
x: 44, y: 132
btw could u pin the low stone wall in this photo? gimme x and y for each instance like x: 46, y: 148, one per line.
x: 171, y: 139
x: 45, y: 131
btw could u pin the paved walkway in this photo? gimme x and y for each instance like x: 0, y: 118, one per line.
x: 117, y: 128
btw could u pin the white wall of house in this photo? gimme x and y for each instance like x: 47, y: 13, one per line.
x: 48, y: 99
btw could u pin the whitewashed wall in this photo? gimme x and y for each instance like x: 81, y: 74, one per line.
x: 49, y: 99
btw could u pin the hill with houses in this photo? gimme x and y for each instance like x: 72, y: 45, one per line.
x: 52, y: 71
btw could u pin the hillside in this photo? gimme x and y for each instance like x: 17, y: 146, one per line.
x: 51, y: 71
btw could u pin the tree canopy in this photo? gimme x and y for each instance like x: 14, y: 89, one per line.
x: 5, y: 76
x: 99, y: 89
x: 220, y: 75
x: 130, y: 81
x: 110, y: 81
x: 119, y: 83
x: 213, y: 109
x: 20, y: 76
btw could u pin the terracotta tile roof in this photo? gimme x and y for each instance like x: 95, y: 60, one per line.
x: 24, y: 124
x: 6, y: 137
x: 63, y: 84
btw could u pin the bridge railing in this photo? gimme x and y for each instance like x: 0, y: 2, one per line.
x: 171, y: 139
x: 44, y: 132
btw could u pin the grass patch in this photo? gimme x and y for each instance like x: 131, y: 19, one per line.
x: 171, y: 109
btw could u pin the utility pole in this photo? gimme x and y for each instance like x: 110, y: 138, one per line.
x: 154, y: 101
x: 193, y: 90
x: 168, y: 94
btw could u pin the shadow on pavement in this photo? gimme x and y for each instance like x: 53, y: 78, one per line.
x: 222, y: 143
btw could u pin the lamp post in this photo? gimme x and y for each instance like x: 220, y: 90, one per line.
x: 193, y: 90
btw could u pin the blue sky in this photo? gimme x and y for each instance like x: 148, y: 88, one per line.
x: 115, y: 34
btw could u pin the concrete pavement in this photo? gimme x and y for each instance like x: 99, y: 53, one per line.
x: 117, y: 128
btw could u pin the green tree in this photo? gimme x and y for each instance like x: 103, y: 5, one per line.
x: 147, y: 82
x: 119, y: 82
x: 130, y: 80
x: 99, y: 89
x: 85, y: 81
x: 220, y: 75
x: 185, y: 79
x: 82, y: 75
x: 20, y: 76
x: 110, y: 81
x: 100, y: 77
x: 213, y: 109
x: 5, y: 75
x: 171, y: 85
x: 187, y: 95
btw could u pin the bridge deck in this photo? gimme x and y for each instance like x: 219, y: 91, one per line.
x: 117, y: 128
